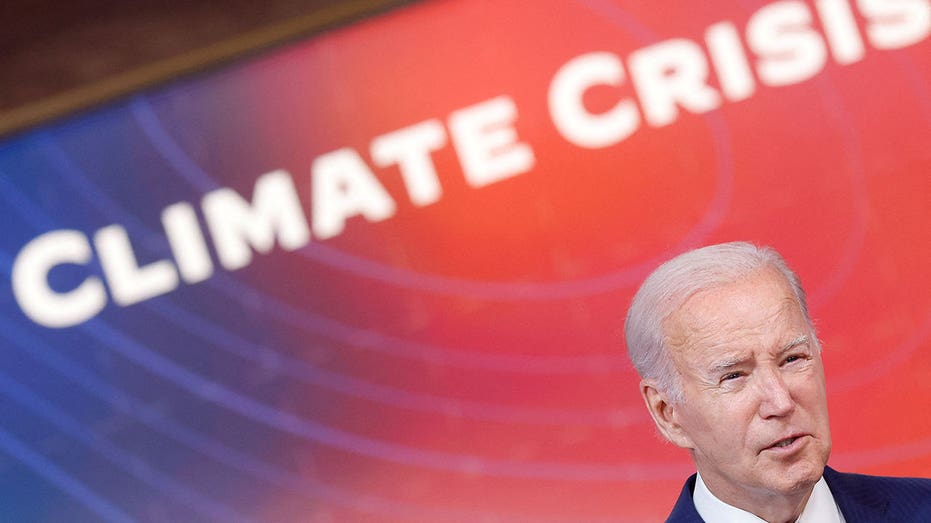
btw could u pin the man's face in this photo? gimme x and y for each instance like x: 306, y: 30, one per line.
x: 754, y: 409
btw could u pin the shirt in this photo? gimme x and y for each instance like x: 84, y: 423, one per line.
x: 820, y: 508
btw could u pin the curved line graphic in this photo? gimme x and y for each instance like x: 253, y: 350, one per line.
x: 382, y: 394
x: 234, y: 344
x: 50, y: 472
x: 126, y: 461
x: 907, y: 66
x: 855, y: 241
x: 857, y: 378
x: 362, y: 338
x: 260, y: 412
x: 264, y: 414
x: 257, y: 411
x: 856, y: 238
x: 196, y: 176
x: 231, y: 458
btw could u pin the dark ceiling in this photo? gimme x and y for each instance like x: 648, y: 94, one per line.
x: 57, y: 57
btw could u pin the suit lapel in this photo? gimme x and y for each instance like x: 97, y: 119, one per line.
x: 859, y: 499
x: 684, y: 511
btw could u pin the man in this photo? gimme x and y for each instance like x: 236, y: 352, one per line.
x: 731, y: 370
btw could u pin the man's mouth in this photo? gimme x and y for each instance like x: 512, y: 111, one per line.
x: 785, y: 442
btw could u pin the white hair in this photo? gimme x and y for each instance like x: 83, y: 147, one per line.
x: 668, y: 287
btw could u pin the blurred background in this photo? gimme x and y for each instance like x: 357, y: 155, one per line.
x: 451, y: 349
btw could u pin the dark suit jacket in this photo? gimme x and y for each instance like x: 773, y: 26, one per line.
x: 862, y: 499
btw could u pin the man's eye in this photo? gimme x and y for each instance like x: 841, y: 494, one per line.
x: 731, y: 376
x: 793, y: 357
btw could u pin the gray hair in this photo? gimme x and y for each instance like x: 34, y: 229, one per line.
x: 672, y: 283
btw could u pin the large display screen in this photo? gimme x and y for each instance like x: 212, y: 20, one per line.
x: 381, y: 274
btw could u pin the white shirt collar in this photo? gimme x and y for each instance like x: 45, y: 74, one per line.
x: 821, y: 507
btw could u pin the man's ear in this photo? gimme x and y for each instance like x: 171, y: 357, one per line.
x: 665, y: 414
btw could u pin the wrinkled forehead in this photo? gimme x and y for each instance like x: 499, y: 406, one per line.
x: 758, y: 310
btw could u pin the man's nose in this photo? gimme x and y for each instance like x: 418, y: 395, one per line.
x: 775, y: 397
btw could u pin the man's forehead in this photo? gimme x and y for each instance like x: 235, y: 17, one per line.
x: 722, y: 319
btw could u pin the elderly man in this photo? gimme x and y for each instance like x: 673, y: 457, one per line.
x: 731, y: 370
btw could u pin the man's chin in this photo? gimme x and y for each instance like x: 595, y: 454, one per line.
x: 798, y: 477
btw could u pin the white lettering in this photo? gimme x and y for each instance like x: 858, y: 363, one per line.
x: 840, y: 28
x: 896, y: 23
x: 669, y: 74
x: 129, y: 283
x: 30, y: 280
x: 410, y: 148
x: 572, y: 119
x: 730, y: 61
x: 487, y: 143
x: 235, y: 225
x: 343, y: 186
x: 187, y: 242
x: 790, y: 50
